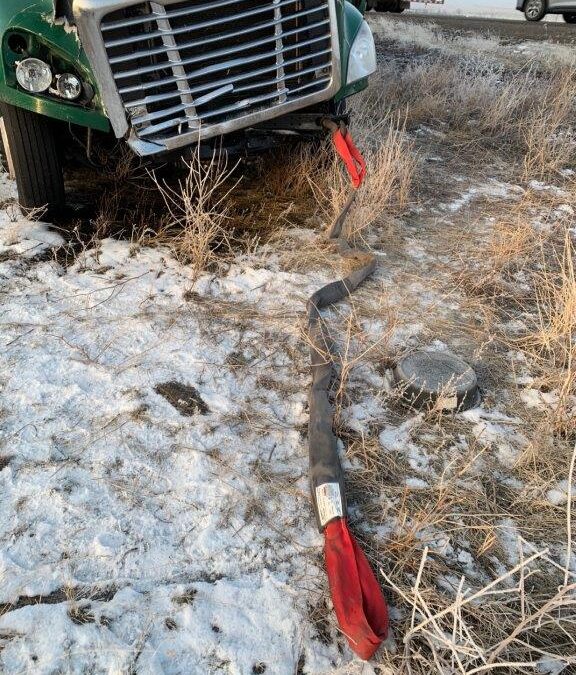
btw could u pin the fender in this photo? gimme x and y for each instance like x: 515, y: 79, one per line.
x: 350, y: 20
x: 45, y: 30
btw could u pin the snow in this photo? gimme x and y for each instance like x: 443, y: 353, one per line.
x: 492, y: 188
x: 540, y: 186
x: 558, y: 495
x: 107, y: 489
x: 499, y: 430
x: 416, y: 483
x: 166, y: 636
x: 550, y: 666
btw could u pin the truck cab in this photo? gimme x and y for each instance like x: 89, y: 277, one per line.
x: 164, y: 75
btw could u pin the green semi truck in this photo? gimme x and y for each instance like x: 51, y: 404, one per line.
x: 165, y: 75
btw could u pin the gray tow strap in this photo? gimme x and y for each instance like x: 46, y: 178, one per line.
x: 325, y: 469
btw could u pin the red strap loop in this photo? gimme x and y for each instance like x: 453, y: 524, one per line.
x: 351, y: 156
x: 358, y: 601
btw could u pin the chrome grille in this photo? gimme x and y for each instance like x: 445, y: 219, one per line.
x: 182, y: 67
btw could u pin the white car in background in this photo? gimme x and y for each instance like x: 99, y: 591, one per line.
x: 536, y: 10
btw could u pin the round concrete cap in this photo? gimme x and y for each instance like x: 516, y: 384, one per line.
x: 437, y: 380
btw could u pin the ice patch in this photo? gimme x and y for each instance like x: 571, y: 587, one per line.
x: 558, y: 495
x: 496, y: 429
x: 493, y: 188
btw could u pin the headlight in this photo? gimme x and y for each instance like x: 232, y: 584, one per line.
x: 34, y: 75
x: 362, y: 60
x: 68, y: 86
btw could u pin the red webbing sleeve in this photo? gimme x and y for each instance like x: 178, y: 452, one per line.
x: 351, y: 157
x: 358, y: 601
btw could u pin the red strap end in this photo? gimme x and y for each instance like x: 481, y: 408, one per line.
x: 351, y: 157
x: 358, y: 601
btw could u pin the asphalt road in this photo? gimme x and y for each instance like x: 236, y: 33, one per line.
x: 507, y: 30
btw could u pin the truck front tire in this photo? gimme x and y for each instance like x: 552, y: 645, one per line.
x: 35, y: 160
x: 535, y: 10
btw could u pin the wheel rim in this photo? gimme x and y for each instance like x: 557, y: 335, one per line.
x: 533, y: 8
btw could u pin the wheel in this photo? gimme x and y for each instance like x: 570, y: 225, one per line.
x: 389, y: 6
x: 33, y: 158
x: 569, y: 17
x: 535, y: 10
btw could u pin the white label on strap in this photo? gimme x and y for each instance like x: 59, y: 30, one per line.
x: 329, y: 502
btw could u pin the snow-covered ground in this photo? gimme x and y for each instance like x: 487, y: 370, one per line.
x: 183, y: 542
x: 154, y: 506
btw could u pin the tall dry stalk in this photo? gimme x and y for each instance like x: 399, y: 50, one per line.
x: 198, y: 213
x: 496, y: 629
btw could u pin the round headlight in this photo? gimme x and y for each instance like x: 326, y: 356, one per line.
x: 69, y: 86
x: 34, y: 75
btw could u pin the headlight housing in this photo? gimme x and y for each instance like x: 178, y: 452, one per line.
x: 69, y: 86
x: 362, y: 59
x: 34, y: 68
x: 34, y: 75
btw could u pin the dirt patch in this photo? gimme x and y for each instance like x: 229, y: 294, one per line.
x: 183, y: 397
x: 58, y: 596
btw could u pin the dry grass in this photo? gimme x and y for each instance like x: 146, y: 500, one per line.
x: 432, y: 38
x: 197, y: 224
x: 487, y: 630
x: 512, y: 624
x: 483, y: 108
x: 475, y: 556
x: 391, y: 162
x: 547, y: 132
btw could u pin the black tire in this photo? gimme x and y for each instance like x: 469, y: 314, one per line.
x: 389, y: 6
x: 535, y: 10
x: 37, y: 165
x: 569, y: 17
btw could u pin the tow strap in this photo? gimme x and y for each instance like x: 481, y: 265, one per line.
x: 356, y: 595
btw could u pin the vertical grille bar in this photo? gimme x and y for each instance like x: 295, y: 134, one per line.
x: 279, y: 51
x: 175, y: 59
